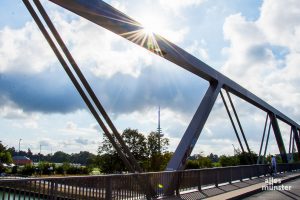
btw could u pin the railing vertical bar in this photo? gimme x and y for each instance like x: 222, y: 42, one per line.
x: 29, y: 189
x: 8, y: 195
x: 19, y: 191
x: 24, y: 190
x: 72, y: 190
x: 34, y: 191
x: 39, y: 189
x: 79, y: 190
x: 3, y: 194
x: 14, y: 197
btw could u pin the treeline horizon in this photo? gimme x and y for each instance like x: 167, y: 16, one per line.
x: 150, y: 151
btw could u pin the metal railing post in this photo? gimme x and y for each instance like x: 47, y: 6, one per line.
x: 199, y: 180
x: 108, y: 188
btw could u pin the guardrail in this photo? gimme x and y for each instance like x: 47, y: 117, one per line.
x: 125, y: 186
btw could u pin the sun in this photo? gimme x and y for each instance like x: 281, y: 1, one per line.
x: 153, y: 27
x: 153, y: 24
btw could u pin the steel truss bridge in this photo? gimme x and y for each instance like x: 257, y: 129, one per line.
x: 115, y: 21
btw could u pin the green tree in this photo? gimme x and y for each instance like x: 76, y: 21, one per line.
x: 136, y: 143
x: 157, y: 152
x: 192, y: 164
x: 205, y: 162
x: 28, y: 170
x: 5, y: 157
x: 60, y: 157
x: 246, y: 158
x: 2, y: 147
x: 145, y: 150
x: 228, y: 161
x: 153, y: 144
x: 83, y: 158
x: 213, y: 157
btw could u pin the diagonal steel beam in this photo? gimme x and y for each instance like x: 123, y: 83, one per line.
x: 75, y: 82
x: 278, y: 137
x: 232, y: 122
x: 194, y: 129
x: 267, y: 142
x: 239, y: 123
x: 297, y: 140
x: 262, y: 140
x: 87, y: 85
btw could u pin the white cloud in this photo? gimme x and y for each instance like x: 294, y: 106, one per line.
x: 279, y: 20
x: 176, y: 5
x: 118, y: 5
x: 99, y: 51
x: 199, y: 50
x: 24, y: 50
x: 9, y: 112
x: 255, y: 56
x: 73, y: 128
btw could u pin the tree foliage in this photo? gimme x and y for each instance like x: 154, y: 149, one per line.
x: 144, y: 149
x: 5, y: 155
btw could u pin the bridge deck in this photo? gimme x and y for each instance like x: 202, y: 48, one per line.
x: 235, y: 190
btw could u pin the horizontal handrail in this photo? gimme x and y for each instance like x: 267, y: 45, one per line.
x: 122, y: 186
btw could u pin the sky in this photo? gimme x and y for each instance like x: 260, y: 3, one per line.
x: 254, y: 42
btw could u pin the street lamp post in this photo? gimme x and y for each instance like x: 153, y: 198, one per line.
x: 234, y: 150
x: 40, y: 153
x: 20, y: 145
x: 40, y: 160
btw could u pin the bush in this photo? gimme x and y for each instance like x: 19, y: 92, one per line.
x: 2, y: 168
x: 46, y: 168
x: 246, y: 158
x: 229, y: 161
x: 28, y: 170
x: 14, y: 170
x: 204, y: 162
x: 192, y: 164
x: 59, y: 170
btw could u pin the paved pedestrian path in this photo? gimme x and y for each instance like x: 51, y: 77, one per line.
x: 292, y: 193
x: 239, y: 190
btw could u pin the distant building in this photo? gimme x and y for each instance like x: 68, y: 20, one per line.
x: 21, y: 160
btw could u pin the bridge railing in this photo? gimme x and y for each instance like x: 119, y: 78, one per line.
x: 126, y: 186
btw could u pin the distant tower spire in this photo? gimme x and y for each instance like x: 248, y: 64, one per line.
x: 159, y: 131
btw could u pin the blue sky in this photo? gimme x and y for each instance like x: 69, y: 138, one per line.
x: 253, y: 42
